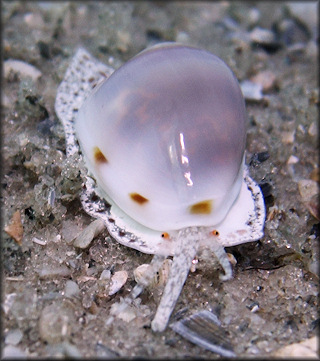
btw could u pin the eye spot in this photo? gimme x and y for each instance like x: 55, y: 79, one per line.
x: 214, y: 233
x: 165, y: 235
x: 204, y: 207
x: 99, y: 156
x: 138, y: 198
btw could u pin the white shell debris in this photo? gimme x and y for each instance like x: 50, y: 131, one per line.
x: 141, y: 274
x: 39, y: 241
x: 88, y: 234
x: 117, y: 281
x: 251, y: 90
x: 117, y: 309
x: 261, y: 36
x: 24, y: 69
x: 204, y: 329
x: 51, y: 197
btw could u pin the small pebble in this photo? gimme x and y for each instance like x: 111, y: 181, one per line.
x: 142, y: 272
x: 127, y: 315
x: 292, y: 160
x: 122, y: 311
x: 123, y: 40
x: 71, y: 289
x: 253, y: 16
x: 60, y: 271
x: 71, y: 351
x: 51, y: 197
x: 105, y: 352
x: 68, y: 231
x: 232, y: 259
x: 105, y: 275
x: 295, y: 51
x: 306, y: 349
x: 13, y: 337
x: 251, y: 90
x: 34, y: 20
x: 15, y: 228
x: 24, y: 69
x: 307, y: 189
x: 312, y: 49
x: 88, y: 234
x: 301, y: 129
x: 12, y: 352
x: 182, y: 37
x: 63, y: 350
x: 258, y: 158
x: 8, y: 302
x: 313, y: 266
x: 39, y: 241
x: 266, y: 79
x: 117, y: 281
x: 315, y: 174
x: 55, y: 323
x: 261, y: 36
x: 313, y: 129
x: 6, y: 101
x: 306, y: 12
x: 288, y: 136
x: 291, y: 32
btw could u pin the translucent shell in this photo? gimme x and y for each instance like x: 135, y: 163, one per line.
x: 164, y: 136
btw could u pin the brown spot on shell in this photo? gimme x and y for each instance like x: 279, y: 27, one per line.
x: 214, y: 233
x: 138, y: 198
x: 204, y: 207
x: 99, y: 156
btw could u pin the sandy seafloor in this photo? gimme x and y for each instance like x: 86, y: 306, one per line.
x: 52, y: 303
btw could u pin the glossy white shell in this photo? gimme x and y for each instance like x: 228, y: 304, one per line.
x: 244, y: 220
x: 170, y: 129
